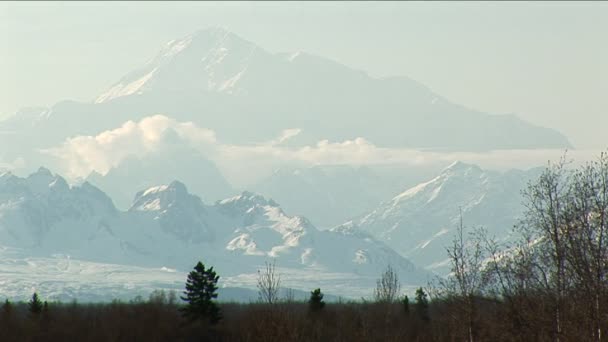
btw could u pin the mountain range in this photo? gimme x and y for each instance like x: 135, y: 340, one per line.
x: 45, y: 221
x: 166, y: 227
x: 338, y: 226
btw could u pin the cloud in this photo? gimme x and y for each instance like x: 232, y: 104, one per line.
x: 80, y: 155
x: 284, y: 136
x: 16, y: 164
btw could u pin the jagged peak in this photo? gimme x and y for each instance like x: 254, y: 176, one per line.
x: 59, y: 183
x: 6, y: 174
x: 250, y: 198
x: 460, y: 166
x: 43, y: 179
x: 8, y: 178
x: 42, y: 171
x: 162, y: 196
x: 175, y: 186
x: 178, y: 187
x: 151, y: 190
x: 349, y: 228
x: 206, y: 38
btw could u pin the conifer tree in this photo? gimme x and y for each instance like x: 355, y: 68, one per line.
x: 45, y: 310
x: 316, y: 303
x: 422, y: 304
x: 201, y: 290
x: 7, y: 310
x: 405, y: 303
x: 35, y: 304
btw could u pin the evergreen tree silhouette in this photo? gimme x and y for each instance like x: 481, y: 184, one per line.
x: 7, y: 310
x: 35, y: 305
x: 316, y: 303
x: 201, y: 290
x: 405, y: 303
x: 422, y: 305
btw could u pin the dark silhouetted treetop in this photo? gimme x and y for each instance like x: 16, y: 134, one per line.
x: 201, y: 290
x: 316, y: 303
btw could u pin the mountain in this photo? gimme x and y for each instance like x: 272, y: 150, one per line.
x: 247, y: 86
x: 41, y: 212
x: 218, y: 80
x: 332, y: 194
x: 161, y: 167
x: 167, y: 227
x: 419, y: 223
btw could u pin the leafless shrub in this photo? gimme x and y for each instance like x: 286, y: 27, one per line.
x: 269, y: 283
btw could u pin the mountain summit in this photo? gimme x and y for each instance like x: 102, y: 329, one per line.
x: 227, y: 83
x: 208, y: 60
x: 245, y: 94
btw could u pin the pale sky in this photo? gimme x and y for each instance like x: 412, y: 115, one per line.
x: 546, y: 62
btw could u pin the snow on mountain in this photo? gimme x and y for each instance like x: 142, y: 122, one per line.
x: 419, y: 223
x: 161, y: 167
x: 252, y: 87
x: 246, y: 94
x: 215, y: 58
x: 173, y: 159
x: 31, y: 207
x: 166, y: 226
x: 331, y: 194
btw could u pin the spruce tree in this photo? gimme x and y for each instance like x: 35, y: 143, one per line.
x: 35, y: 304
x: 422, y: 305
x: 405, y: 303
x: 7, y: 310
x: 45, y: 310
x: 316, y: 303
x: 201, y: 290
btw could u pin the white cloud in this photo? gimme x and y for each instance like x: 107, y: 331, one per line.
x: 246, y: 163
x: 284, y: 136
x: 16, y: 164
x: 82, y: 154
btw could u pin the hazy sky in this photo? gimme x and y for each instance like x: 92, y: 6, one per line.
x: 546, y: 62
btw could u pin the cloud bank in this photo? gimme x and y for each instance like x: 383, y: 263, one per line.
x: 79, y: 156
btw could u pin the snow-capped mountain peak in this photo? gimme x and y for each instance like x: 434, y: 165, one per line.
x: 459, y: 167
x: 161, y: 197
x: 169, y: 227
x: 420, y: 221
x: 212, y: 59
x: 249, y: 198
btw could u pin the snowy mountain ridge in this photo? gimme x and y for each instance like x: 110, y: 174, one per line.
x: 167, y: 227
x: 419, y: 222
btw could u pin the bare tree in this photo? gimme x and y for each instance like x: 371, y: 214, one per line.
x: 387, y: 287
x: 587, y: 236
x: 289, y: 295
x: 466, y: 281
x: 545, y: 202
x: 508, y: 273
x: 269, y: 283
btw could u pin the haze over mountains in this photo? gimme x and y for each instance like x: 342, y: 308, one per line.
x: 158, y: 141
